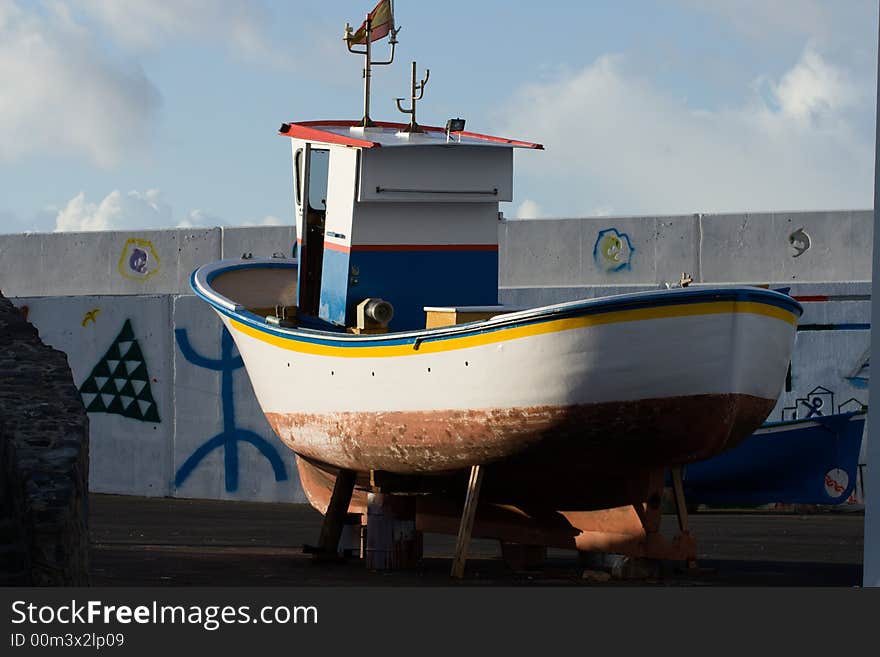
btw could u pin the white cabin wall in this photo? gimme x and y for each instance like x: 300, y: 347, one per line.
x: 342, y: 179
x: 423, y: 223
x: 298, y: 196
x: 456, y: 168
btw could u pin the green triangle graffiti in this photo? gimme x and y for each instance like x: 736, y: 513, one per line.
x: 132, y: 360
x: 97, y: 405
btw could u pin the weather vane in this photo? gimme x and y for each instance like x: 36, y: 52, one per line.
x: 378, y: 24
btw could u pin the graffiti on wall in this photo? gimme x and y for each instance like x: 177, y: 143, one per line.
x: 860, y: 376
x: 231, y: 435
x: 120, y: 383
x: 138, y: 260
x: 91, y: 316
x: 799, y: 241
x: 819, y: 402
x: 613, y: 250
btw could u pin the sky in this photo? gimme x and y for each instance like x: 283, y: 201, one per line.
x: 139, y: 114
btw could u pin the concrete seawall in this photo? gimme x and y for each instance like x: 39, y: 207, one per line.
x: 176, y: 415
x: 746, y: 248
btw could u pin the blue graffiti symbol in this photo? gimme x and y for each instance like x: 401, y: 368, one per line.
x: 230, y: 436
x: 815, y: 405
x: 138, y: 261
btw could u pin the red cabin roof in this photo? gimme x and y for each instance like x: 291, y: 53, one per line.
x: 349, y: 133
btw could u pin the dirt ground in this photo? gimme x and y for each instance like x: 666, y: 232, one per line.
x: 154, y: 542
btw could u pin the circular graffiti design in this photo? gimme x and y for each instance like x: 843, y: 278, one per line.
x: 836, y: 483
x: 613, y: 250
x: 138, y: 261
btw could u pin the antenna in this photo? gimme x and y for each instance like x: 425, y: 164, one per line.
x: 417, y: 91
x: 377, y: 24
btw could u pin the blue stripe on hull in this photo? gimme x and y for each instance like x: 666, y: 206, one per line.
x: 585, y: 307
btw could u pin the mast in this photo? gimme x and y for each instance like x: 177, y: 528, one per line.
x: 350, y: 37
x: 417, y: 91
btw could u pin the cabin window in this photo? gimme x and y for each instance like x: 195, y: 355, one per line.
x: 315, y: 214
x: 319, y: 165
x: 297, y: 173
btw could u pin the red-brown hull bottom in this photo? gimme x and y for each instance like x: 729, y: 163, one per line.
x: 575, y: 486
x: 593, y: 438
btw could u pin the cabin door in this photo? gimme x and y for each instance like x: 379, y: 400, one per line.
x: 313, y: 178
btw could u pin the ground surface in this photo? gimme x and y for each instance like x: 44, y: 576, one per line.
x: 147, y: 541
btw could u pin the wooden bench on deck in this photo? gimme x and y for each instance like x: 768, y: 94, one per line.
x: 437, y: 316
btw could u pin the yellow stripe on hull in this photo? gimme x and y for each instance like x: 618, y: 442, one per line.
x: 429, y: 345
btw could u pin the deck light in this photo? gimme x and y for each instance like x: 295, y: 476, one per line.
x: 454, y: 125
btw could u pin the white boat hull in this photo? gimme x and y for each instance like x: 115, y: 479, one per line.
x: 658, y: 378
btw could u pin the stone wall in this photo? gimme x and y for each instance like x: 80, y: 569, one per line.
x: 44, y: 461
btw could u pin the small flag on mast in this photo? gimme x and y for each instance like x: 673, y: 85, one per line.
x: 381, y: 23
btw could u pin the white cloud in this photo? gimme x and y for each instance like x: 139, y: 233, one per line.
x: 116, y: 211
x: 615, y: 140
x: 136, y: 210
x: 602, y: 211
x: 268, y: 220
x: 199, y: 218
x: 205, y: 219
x: 240, y: 25
x: 528, y: 209
x: 69, y: 78
x: 814, y: 89
x: 60, y: 93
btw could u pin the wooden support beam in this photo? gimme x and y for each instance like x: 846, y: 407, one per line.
x: 467, y: 521
x: 681, y: 508
x: 334, y: 519
x: 680, y: 504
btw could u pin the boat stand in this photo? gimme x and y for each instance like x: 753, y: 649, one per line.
x: 682, y: 512
x: 392, y: 541
x: 334, y: 519
x: 467, y: 521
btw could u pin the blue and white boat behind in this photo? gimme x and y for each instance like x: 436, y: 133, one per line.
x: 808, y: 461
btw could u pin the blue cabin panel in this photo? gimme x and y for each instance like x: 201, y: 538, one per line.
x: 413, y: 278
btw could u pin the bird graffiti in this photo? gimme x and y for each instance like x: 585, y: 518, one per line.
x: 91, y: 316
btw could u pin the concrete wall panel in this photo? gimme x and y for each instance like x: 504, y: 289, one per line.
x: 196, y: 247
x: 543, y: 252
x: 223, y: 448
x: 744, y: 247
x: 833, y: 362
x: 111, y: 262
x: 261, y: 242
x: 797, y: 246
x: 21, y: 265
x: 676, y: 249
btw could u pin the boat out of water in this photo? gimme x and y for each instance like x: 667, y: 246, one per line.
x: 808, y: 461
x: 383, y: 352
